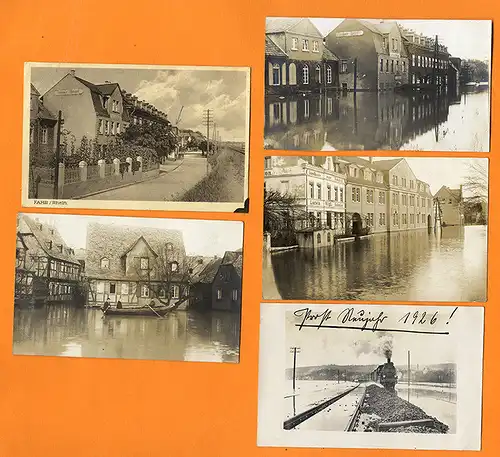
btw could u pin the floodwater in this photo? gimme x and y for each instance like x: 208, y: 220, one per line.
x: 400, y: 266
x: 64, y: 330
x: 378, y: 121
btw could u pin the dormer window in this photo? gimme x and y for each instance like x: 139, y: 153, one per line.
x: 40, y: 227
x: 174, y: 266
x: 170, y: 247
x: 104, y: 262
x: 49, y: 245
x: 105, y: 101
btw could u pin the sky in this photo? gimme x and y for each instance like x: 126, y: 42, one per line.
x: 464, y: 39
x: 439, y: 171
x: 356, y: 347
x: 207, y: 238
x: 199, y: 89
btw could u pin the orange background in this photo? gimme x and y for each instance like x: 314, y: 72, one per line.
x: 55, y: 406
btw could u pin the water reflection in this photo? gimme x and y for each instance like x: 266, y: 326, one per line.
x: 411, y: 265
x: 378, y: 120
x: 183, y: 335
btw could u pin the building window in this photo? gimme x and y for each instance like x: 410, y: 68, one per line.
x: 219, y: 294
x: 144, y: 263
x: 306, y: 108
x: 353, y: 196
x: 305, y: 74
x: 381, y: 64
x: 318, y: 74
x: 45, y: 135
x: 318, y: 191
x: 107, y: 127
x: 295, y: 44
x: 336, y: 193
x: 343, y: 66
x: 292, y: 71
x: 235, y: 294
x: 170, y: 247
x: 315, y: 46
x: 124, y: 288
x: 135, y: 120
x: 318, y: 238
x: 118, y: 128
x: 112, y: 288
x: 392, y: 66
x: 311, y: 190
x: 328, y: 75
x: 276, y: 75
x: 144, y: 291
x: 112, y: 128
x: 403, y: 66
x: 341, y: 195
x: 175, y: 291
x: 387, y: 66
x: 358, y: 195
x: 174, y: 266
x: 32, y: 134
x: 101, y: 126
x: 267, y: 163
x: 305, y: 45
x: 104, y: 262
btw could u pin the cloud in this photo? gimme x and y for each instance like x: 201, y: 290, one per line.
x: 223, y: 92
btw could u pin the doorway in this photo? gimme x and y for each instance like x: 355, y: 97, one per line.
x: 357, y: 224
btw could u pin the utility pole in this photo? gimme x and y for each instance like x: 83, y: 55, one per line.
x: 355, y: 84
x: 208, y: 120
x: 214, y: 134
x: 294, y: 349
x: 434, y: 66
x: 58, y: 155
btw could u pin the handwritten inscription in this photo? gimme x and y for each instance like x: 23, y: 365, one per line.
x: 365, y: 320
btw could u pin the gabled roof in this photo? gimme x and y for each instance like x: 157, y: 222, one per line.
x: 207, y: 276
x: 234, y: 258
x: 108, y: 88
x: 97, y: 91
x: 456, y: 194
x: 386, y: 164
x: 45, y: 236
x: 328, y: 55
x: 34, y: 91
x: 272, y: 49
x: 141, y: 238
x: 44, y: 113
x: 281, y: 24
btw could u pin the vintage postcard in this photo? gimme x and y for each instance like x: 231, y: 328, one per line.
x: 370, y: 376
x: 377, y: 84
x: 132, y: 288
x: 136, y: 137
x: 375, y: 228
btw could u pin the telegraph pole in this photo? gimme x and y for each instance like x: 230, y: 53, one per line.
x: 207, y: 121
x: 409, y: 376
x: 294, y: 349
x: 58, y: 156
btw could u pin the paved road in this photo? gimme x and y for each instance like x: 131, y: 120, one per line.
x: 163, y: 188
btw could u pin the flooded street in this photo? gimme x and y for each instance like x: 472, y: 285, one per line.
x: 401, y: 266
x: 63, y: 330
x: 378, y: 121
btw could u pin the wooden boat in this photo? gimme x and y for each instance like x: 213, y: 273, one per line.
x: 138, y: 311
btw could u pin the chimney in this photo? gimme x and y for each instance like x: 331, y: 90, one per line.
x: 72, y: 72
x: 107, y: 82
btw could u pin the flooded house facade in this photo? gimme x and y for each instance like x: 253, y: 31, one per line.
x: 371, y: 55
x: 47, y: 270
x: 451, y: 205
x: 135, y: 265
x: 296, y: 58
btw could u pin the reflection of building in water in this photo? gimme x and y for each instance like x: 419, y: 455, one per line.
x: 363, y: 121
x: 381, y: 59
x: 351, y: 194
x: 296, y: 58
x: 451, y: 205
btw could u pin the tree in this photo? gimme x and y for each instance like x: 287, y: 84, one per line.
x: 282, y: 216
x: 476, y: 185
x: 162, y: 273
x: 475, y: 71
x: 154, y: 136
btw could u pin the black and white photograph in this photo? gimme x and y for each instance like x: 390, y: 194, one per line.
x: 375, y: 228
x: 131, y: 288
x: 334, y: 84
x: 370, y: 376
x: 136, y: 137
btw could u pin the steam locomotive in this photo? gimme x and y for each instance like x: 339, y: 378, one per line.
x: 386, y: 375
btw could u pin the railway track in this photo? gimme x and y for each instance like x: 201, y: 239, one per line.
x: 353, y: 421
x: 299, y: 418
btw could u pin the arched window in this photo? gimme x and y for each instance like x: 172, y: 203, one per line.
x: 305, y: 74
x: 276, y: 75
x: 292, y: 71
x: 318, y: 237
x: 318, y: 74
x: 104, y: 262
x: 328, y: 74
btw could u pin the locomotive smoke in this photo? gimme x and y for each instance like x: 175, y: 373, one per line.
x: 382, y: 345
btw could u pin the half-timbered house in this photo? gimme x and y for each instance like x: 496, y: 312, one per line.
x: 135, y: 265
x: 47, y: 270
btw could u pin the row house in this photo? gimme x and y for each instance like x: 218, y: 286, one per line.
x: 351, y: 194
x: 47, y: 270
x: 296, y: 58
x: 371, y: 55
x: 42, y: 126
x: 135, y: 265
x: 316, y: 183
x: 429, y: 60
x: 99, y: 112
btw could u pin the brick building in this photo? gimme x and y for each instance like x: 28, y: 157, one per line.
x: 296, y: 58
x: 42, y: 127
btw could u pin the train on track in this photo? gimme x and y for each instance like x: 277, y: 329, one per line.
x: 386, y: 375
